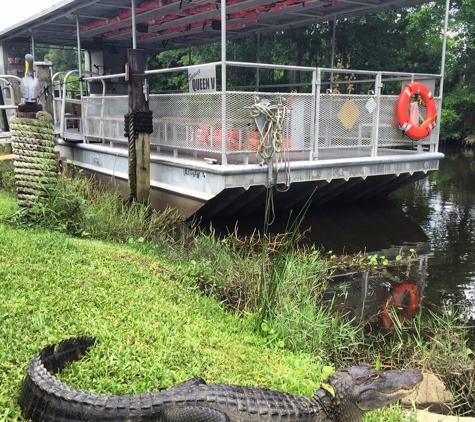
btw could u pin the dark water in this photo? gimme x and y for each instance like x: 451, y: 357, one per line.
x: 435, y: 216
x: 444, y: 207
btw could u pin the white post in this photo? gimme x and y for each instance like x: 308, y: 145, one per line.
x: 444, y: 47
x: 258, y: 58
x: 375, y: 132
x: 434, y: 148
x: 332, y: 64
x: 78, y: 36
x: 134, y: 29
x: 32, y: 45
x: 316, y: 88
x: 223, y: 83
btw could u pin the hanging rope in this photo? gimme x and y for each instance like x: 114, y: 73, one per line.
x: 34, y: 157
x: 276, y: 114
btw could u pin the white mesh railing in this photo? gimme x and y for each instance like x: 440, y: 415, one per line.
x: 349, y: 121
x: 193, y: 121
x: 103, y: 117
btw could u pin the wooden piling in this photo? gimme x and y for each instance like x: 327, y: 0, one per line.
x: 137, y: 60
x: 43, y: 75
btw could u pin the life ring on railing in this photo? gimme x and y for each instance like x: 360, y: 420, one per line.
x: 234, y: 142
x: 199, y: 136
x: 413, y: 131
x: 397, y: 300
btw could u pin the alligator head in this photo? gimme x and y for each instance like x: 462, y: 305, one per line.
x: 359, y: 389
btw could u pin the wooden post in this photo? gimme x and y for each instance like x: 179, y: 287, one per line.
x: 137, y: 60
x: 44, y: 77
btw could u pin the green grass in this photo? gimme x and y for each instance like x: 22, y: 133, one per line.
x: 154, y: 328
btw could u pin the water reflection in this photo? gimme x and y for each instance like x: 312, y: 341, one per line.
x: 377, y: 297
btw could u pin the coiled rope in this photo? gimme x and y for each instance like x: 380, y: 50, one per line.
x: 34, y: 158
x: 272, y: 143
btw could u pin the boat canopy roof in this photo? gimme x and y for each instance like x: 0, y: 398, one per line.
x: 172, y: 24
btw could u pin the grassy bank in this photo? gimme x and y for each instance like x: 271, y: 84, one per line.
x: 153, y: 332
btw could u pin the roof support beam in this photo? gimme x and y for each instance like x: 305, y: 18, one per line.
x: 224, y: 140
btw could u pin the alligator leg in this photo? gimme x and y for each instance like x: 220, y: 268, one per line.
x: 194, y: 414
x: 192, y: 382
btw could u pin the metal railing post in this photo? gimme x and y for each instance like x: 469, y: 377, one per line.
x: 63, y: 105
x: 224, y: 138
x: 78, y: 36
x: 377, y: 110
x: 316, y: 88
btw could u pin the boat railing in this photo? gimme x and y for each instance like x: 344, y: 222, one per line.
x: 6, y: 84
x: 353, y: 111
x: 342, y: 110
x: 9, y: 101
x: 68, y: 95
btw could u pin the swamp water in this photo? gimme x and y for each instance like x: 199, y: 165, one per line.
x: 435, y: 216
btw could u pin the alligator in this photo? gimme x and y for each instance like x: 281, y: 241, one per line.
x: 346, y: 396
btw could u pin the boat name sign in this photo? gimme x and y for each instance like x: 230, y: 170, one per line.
x: 202, y: 79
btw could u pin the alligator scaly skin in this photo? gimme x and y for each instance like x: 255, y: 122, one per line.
x: 45, y: 399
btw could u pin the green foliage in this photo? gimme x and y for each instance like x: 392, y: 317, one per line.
x: 175, y: 81
x: 63, y: 59
x: 77, y: 205
x: 458, y: 115
x: 7, y: 180
x: 451, y: 126
x: 275, y: 271
x: 154, y: 328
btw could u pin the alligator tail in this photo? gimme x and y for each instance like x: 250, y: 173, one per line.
x: 57, y: 357
x: 43, y: 397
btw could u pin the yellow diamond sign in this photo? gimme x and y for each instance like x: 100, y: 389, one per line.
x: 349, y: 114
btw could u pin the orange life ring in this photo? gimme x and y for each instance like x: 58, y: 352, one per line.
x: 416, y: 132
x: 395, y: 302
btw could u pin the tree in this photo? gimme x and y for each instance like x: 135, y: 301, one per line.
x: 63, y: 59
x: 459, y: 116
x: 169, y: 81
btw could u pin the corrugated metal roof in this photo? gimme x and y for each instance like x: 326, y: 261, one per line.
x: 169, y: 24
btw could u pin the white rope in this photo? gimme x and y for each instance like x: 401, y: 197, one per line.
x: 274, y: 129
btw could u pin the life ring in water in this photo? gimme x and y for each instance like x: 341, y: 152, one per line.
x: 403, y: 299
x: 409, y: 128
